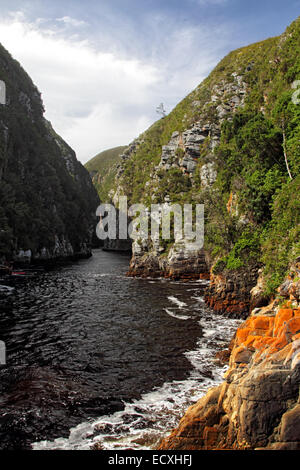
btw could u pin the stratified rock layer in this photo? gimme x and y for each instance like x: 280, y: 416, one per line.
x: 258, y: 404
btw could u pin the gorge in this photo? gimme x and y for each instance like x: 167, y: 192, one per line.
x: 108, y: 352
x: 233, y: 145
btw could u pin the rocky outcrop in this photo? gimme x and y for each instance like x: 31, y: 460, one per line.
x: 182, y: 262
x: 258, y: 404
x: 229, y: 292
x: 184, y: 149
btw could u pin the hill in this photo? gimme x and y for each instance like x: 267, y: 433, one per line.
x: 233, y: 145
x: 102, y: 169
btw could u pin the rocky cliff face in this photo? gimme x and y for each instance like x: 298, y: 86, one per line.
x: 186, y: 152
x: 229, y: 293
x: 224, y: 146
x: 258, y: 404
x: 182, y: 262
x: 47, y: 200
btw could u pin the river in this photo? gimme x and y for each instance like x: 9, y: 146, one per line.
x: 95, y: 357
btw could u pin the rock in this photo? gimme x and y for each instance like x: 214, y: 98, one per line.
x: 222, y: 111
x: 257, y: 406
x: 230, y: 293
x: 208, y: 174
x: 290, y: 425
x: 182, y: 262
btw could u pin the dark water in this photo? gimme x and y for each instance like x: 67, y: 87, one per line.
x: 83, y: 339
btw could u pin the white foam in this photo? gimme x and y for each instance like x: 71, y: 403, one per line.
x: 175, y: 315
x: 145, y: 421
x: 6, y: 288
x: 177, y: 302
x: 198, y: 298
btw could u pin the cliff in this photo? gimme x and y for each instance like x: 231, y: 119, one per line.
x: 232, y: 145
x: 47, y: 200
x: 258, y: 404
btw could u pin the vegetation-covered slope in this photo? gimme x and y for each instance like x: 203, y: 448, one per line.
x: 102, y: 169
x: 231, y: 145
x: 47, y: 200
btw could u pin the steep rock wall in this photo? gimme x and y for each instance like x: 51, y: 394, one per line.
x: 47, y: 199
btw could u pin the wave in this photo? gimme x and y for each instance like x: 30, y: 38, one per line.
x: 177, y: 302
x: 174, y: 315
x: 6, y: 289
x: 145, y: 421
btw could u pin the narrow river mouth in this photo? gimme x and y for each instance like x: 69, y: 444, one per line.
x: 95, y: 352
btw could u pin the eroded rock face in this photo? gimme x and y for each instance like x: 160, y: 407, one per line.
x: 226, y: 98
x: 184, y: 149
x: 182, y: 262
x: 258, y: 404
x: 229, y: 293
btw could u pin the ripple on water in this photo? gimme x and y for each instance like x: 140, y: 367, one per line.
x: 94, y: 356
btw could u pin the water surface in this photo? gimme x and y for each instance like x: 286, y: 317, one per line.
x: 84, y: 343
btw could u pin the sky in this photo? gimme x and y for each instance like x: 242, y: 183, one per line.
x: 103, y: 66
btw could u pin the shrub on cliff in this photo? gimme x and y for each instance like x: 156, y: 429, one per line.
x: 257, y: 158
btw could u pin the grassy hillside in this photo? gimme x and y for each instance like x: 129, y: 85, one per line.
x: 102, y: 169
x: 252, y: 208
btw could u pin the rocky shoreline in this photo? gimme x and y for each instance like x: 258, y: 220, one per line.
x: 178, y: 265
x: 258, y: 404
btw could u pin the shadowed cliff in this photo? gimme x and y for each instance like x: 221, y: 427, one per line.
x: 47, y: 200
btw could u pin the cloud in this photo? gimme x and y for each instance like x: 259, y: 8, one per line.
x: 98, y: 98
x: 86, y: 92
x: 71, y: 21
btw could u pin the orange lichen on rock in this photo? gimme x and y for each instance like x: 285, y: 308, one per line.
x: 266, y: 334
x: 282, y: 316
x: 242, y: 335
x: 257, y: 406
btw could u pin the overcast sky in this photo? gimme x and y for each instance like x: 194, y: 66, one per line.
x: 103, y: 66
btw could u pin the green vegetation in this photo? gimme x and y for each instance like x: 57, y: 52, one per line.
x: 281, y: 238
x: 102, y: 169
x: 252, y: 210
x: 45, y: 193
